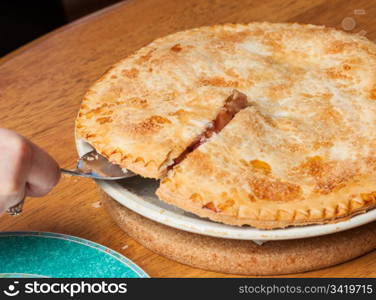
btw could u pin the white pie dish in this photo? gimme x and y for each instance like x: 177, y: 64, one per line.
x: 137, y: 194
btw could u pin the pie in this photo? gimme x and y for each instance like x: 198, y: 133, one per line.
x: 268, y: 125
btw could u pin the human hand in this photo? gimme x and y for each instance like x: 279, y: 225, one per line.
x: 25, y: 170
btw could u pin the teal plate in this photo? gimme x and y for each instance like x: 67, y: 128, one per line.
x: 42, y: 254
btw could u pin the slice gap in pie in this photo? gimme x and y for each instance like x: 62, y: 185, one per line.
x: 233, y: 104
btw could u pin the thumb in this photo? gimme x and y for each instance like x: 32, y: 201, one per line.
x: 43, y: 174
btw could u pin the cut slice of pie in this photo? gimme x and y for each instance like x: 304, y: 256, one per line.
x: 269, y: 125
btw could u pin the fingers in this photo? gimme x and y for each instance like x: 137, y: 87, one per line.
x: 15, y: 164
x: 25, y: 170
x: 43, y: 174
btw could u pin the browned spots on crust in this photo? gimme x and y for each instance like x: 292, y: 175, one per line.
x: 205, y: 166
x: 329, y: 114
x: 105, y: 152
x: 313, y: 166
x: 137, y: 102
x: 146, y: 127
x: 328, y: 175
x: 368, y: 197
x: 262, y: 166
x: 115, y: 155
x: 95, y: 111
x: 337, y: 210
x: 328, y: 185
x: 159, y: 120
x: 333, y: 115
x: 346, y: 67
x: 104, y: 120
x: 340, y: 46
x: 231, y: 73
x: 119, y: 102
x: 146, y: 57
x: 335, y: 47
x: 176, y: 48
x: 139, y: 160
x: 372, y: 94
x: 178, y: 113
x: 165, y: 180
x: 90, y: 135
x: 195, y: 197
x: 274, y: 40
x: 334, y: 73
x: 211, y: 206
x: 114, y: 77
x: 130, y: 73
x: 116, y: 151
x: 226, y: 205
x: 275, y: 92
x: 251, y: 198
x: 182, y: 115
x: 244, y: 163
x: 274, y: 190
x: 150, y: 125
x: 371, y: 161
x: 218, y: 81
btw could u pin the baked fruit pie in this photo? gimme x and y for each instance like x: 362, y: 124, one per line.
x: 268, y: 125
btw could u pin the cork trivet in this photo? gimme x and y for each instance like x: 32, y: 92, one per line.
x: 239, y: 256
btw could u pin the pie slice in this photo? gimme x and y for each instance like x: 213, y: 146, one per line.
x: 268, y: 125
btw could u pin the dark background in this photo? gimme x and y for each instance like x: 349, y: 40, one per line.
x: 22, y: 21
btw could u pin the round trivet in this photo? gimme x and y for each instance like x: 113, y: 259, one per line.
x: 241, y: 256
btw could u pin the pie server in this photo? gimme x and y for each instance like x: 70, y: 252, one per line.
x: 93, y: 165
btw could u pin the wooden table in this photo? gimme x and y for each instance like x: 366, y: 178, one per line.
x: 42, y: 83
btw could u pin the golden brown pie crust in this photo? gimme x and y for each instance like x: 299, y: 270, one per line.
x: 302, y: 152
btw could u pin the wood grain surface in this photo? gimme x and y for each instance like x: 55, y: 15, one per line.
x: 41, y: 85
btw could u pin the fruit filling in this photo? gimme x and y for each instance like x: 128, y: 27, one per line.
x: 233, y: 104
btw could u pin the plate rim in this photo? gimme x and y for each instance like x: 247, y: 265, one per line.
x: 82, y: 241
x: 11, y: 275
x: 219, y: 230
